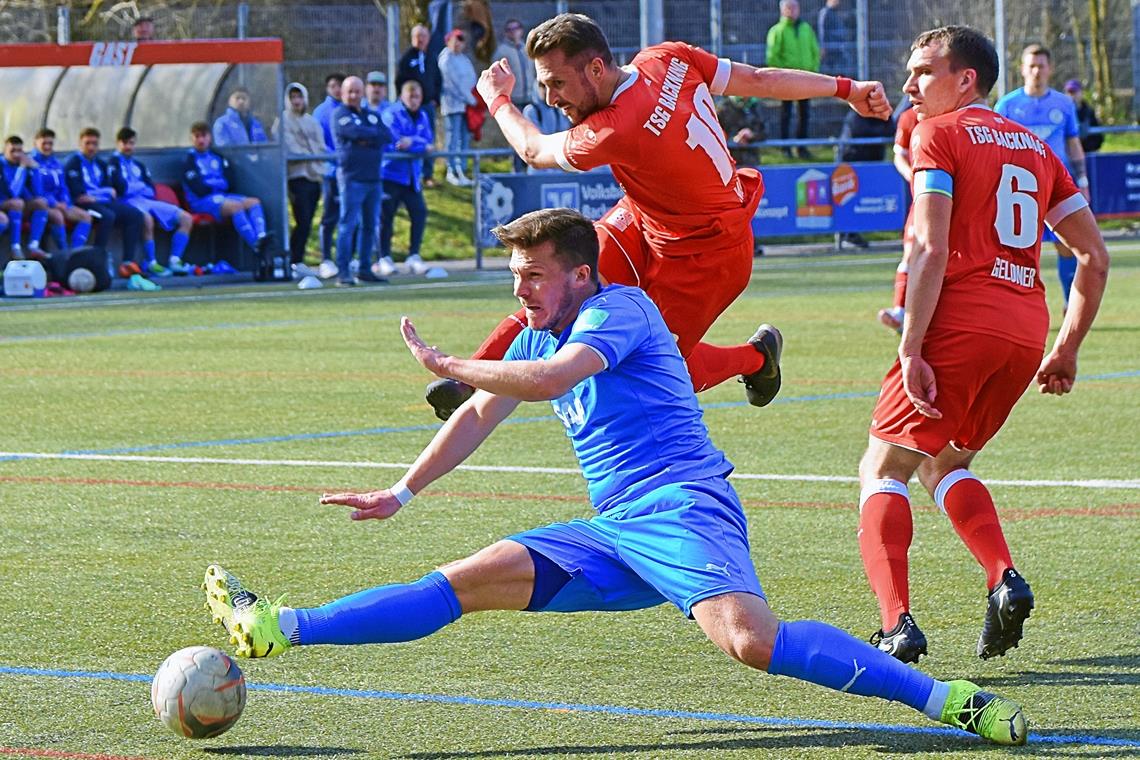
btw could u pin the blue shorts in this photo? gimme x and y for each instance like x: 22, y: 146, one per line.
x: 212, y: 204
x: 165, y: 214
x: 680, y: 543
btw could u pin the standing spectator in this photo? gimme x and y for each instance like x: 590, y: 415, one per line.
x: 132, y: 182
x: 513, y: 50
x: 836, y: 29
x: 24, y: 185
x: 1052, y: 117
x: 238, y: 126
x: 206, y: 188
x: 417, y: 64
x: 61, y: 210
x: 411, y: 133
x: 330, y: 188
x: 360, y: 137
x: 1086, y: 116
x: 89, y: 183
x: 143, y: 29
x: 458, y: 93
x: 376, y: 94
x: 302, y: 135
x: 855, y: 127
x: 792, y: 45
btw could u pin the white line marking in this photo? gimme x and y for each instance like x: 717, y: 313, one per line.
x: 790, y: 478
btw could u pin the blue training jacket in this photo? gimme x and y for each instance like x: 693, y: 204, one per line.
x: 204, y: 174
x: 229, y: 129
x: 407, y: 171
x: 52, y: 181
x: 360, y: 136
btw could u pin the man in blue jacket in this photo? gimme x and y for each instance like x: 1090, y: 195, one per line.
x: 89, y: 183
x: 24, y: 186
x: 207, y: 191
x: 402, y: 177
x: 330, y: 192
x: 360, y: 136
x: 238, y: 126
x: 61, y: 210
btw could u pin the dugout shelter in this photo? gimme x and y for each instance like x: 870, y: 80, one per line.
x: 159, y: 89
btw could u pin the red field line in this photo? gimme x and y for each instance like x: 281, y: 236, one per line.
x: 41, y: 752
x: 1127, y: 509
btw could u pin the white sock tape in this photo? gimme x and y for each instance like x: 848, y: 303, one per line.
x: 882, y: 485
x: 949, y: 482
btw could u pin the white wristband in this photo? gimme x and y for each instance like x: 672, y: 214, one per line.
x: 402, y: 493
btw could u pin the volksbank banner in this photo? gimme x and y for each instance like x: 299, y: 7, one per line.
x: 798, y: 200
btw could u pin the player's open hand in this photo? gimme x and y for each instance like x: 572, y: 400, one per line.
x: 918, y: 382
x: 870, y: 99
x: 429, y: 357
x: 374, y: 505
x: 496, y: 80
x: 1057, y: 374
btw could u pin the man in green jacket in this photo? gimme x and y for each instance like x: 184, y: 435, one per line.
x: 792, y: 44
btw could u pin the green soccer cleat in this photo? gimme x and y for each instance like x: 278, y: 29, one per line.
x: 250, y: 620
x: 980, y: 712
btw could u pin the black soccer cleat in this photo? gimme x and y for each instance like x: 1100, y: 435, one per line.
x: 905, y: 642
x: 447, y: 395
x: 1007, y: 608
x: 763, y: 384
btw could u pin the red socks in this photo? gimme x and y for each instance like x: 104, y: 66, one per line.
x: 711, y: 365
x: 968, y: 504
x: 885, y: 533
x: 496, y: 344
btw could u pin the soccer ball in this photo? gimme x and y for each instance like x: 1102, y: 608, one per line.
x: 81, y: 280
x: 198, y: 692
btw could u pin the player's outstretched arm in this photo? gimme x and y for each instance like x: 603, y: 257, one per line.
x: 464, y: 432
x: 867, y: 98
x: 538, y: 150
x: 1080, y: 233
x: 520, y: 380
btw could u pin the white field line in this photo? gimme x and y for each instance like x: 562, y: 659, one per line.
x: 793, y: 478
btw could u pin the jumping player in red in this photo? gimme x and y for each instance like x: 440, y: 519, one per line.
x: 683, y: 230
x: 975, y: 325
x: 906, y: 121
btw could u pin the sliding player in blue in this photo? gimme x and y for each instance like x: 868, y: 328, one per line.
x: 669, y: 528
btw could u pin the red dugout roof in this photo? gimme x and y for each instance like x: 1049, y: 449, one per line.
x: 112, y: 54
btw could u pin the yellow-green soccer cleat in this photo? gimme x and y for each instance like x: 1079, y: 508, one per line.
x: 250, y: 621
x: 983, y: 713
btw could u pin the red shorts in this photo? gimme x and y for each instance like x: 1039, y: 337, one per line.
x: 691, y: 291
x: 978, y: 379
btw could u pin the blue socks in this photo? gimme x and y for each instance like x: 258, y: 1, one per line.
x: 16, y: 224
x: 245, y: 228
x: 148, y: 248
x: 59, y: 235
x: 38, y: 225
x: 1066, y: 271
x: 257, y: 218
x: 381, y: 615
x: 824, y: 655
x: 80, y: 233
x: 178, y: 244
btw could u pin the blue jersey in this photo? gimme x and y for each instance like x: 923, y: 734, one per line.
x: 52, y: 181
x: 22, y: 181
x: 88, y: 176
x: 203, y: 175
x: 1052, y: 117
x: 635, y: 426
x: 130, y: 178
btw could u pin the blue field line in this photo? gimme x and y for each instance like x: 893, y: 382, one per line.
x: 527, y: 704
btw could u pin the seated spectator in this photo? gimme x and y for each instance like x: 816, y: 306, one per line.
x: 238, y: 126
x: 360, y: 137
x: 743, y: 123
x: 132, y: 182
x: 54, y: 188
x: 89, y: 183
x: 1086, y: 116
x: 206, y: 189
x: 25, y: 194
x: 411, y: 133
x: 302, y: 135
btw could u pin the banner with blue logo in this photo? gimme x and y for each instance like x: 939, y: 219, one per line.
x: 1114, y: 181
x: 798, y: 200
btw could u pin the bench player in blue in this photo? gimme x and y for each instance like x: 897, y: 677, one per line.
x: 669, y: 528
x: 25, y: 194
x: 53, y: 184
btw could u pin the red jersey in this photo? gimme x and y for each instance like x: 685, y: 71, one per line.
x: 662, y: 140
x: 904, y: 128
x: 1005, y: 183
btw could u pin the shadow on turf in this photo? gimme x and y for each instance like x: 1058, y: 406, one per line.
x: 276, y: 750
x: 759, y: 739
x: 1089, y: 671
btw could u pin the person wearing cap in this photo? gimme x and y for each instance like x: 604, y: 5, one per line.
x: 376, y: 94
x: 1086, y: 116
x: 513, y: 48
x: 458, y: 92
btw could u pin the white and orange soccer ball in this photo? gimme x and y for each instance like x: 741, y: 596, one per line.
x: 198, y: 692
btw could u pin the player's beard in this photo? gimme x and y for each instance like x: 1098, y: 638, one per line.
x: 590, y: 101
